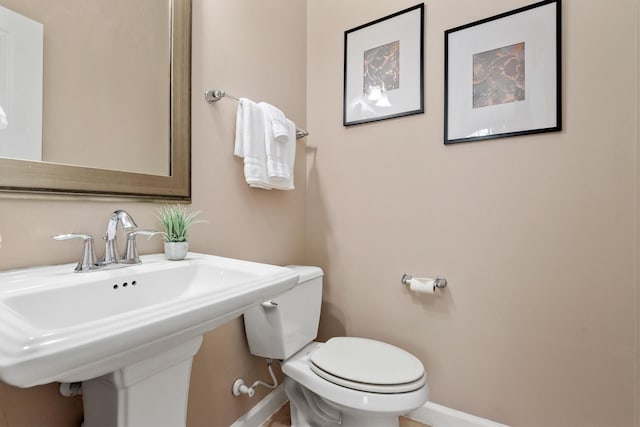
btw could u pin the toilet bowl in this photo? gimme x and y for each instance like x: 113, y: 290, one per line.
x: 347, y: 381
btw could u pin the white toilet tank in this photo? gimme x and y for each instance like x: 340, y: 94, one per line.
x: 279, y: 331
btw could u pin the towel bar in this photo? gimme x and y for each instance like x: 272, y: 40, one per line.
x: 215, y: 95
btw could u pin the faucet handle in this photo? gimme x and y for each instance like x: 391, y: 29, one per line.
x: 131, y: 253
x: 88, y: 260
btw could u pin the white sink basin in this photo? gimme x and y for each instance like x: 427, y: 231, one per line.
x: 58, y: 325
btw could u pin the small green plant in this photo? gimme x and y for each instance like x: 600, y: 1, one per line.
x: 176, y: 221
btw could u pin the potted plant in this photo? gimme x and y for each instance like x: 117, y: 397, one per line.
x: 176, y: 221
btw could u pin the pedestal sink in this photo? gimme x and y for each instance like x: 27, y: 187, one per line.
x: 128, y: 334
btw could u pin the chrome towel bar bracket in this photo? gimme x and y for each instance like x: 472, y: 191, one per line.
x: 215, y: 95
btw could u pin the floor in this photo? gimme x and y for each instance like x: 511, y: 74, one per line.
x: 282, y: 418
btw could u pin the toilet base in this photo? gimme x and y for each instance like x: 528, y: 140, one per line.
x: 310, y: 410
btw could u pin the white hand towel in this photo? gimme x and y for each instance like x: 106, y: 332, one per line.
x: 250, y: 143
x: 287, y: 162
x: 281, y: 158
x: 3, y: 119
x: 277, y: 122
x: 279, y: 129
x: 238, y: 148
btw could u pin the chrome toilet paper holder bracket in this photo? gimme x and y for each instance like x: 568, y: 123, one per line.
x: 439, y: 282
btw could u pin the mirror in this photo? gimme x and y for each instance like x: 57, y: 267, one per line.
x: 154, y: 158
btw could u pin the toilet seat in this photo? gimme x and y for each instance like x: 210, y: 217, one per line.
x: 298, y: 368
x: 367, y: 365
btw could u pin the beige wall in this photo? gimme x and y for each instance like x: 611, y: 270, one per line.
x: 535, y: 234
x: 266, y: 63
x: 255, y: 50
x: 637, y: 373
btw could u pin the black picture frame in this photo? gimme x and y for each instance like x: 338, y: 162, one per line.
x: 503, y: 75
x: 384, y: 68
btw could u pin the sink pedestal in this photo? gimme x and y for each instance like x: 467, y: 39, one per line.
x: 151, y: 392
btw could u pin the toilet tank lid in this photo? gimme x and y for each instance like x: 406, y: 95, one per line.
x: 306, y: 272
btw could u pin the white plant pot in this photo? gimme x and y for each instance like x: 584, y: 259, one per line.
x: 176, y: 251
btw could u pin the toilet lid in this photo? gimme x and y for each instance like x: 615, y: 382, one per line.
x: 368, y: 365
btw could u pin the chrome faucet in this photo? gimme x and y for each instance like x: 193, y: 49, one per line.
x: 111, y: 248
x: 112, y: 258
x: 88, y: 259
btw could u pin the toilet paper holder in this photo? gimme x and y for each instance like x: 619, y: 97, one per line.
x: 439, y: 282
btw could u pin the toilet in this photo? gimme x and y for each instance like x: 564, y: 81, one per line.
x: 346, y: 381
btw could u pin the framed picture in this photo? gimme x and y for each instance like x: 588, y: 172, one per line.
x: 502, y: 75
x: 383, y: 68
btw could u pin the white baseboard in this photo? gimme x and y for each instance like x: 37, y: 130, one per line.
x: 260, y: 413
x: 431, y: 414
x: 436, y: 415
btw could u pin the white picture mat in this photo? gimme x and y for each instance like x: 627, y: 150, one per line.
x: 407, y: 29
x: 537, y: 29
